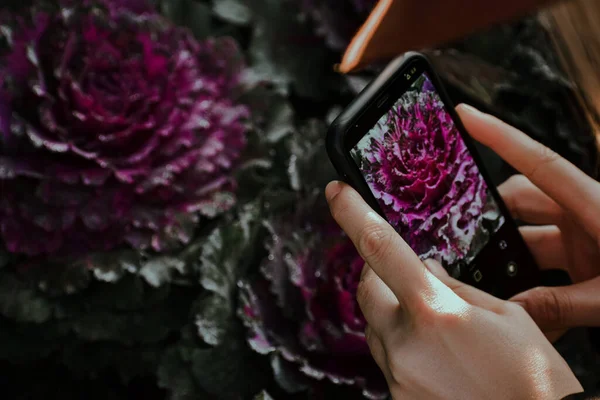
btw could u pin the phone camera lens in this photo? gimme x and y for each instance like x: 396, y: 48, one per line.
x: 511, y: 268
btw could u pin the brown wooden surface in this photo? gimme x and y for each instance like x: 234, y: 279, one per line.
x: 397, y: 26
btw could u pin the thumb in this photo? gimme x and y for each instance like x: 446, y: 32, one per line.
x: 556, y: 308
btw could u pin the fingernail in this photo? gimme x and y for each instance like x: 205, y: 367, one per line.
x: 435, y: 267
x: 518, y: 299
x: 469, y: 109
x: 333, y: 189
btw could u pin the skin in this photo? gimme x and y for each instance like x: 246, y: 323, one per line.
x: 562, y: 205
x: 435, y: 337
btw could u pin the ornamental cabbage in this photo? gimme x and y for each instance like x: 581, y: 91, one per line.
x: 115, y: 127
x: 302, y: 310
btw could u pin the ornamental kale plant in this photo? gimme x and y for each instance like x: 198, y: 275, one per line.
x: 302, y: 310
x: 424, y: 178
x: 115, y: 127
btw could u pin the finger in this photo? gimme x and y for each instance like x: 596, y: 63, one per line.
x: 554, y: 335
x: 377, y: 302
x: 568, y: 186
x: 436, y: 269
x: 558, y: 308
x: 468, y: 293
x: 528, y: 203
x: 546, y: 246
x: 381, y: 247
x: 379, y: 353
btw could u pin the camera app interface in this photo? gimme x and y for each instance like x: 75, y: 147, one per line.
x: 426, y: 181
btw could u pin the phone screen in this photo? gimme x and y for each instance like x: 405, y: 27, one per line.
x: 425, y: 180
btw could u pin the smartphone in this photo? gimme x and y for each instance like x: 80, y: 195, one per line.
x: 402, y: 146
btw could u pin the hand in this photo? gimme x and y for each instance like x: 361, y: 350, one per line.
x: 564, y: 203
x: 435, y: 337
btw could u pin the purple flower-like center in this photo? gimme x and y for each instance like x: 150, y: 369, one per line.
x: 424, y: 177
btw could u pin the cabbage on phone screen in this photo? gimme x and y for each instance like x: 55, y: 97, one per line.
x: 426, y: 181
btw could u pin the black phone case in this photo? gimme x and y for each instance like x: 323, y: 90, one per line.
x: 497, y: 281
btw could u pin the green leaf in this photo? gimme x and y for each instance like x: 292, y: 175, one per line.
x: 220, y: 267
x: 281, y: 122
x: 175, y: 375
x: 212, y: 318
x: 220, y: 270
x: 230, y: 370
x: 159, y: 270
x: 233, y: 11
x: 273, y: 120
x: 113, y: 270
x: 272, y: 114
x: 263, y: 395
x: 282, y: 51
x: 222, y: 369
x: 287, y: 375
x: 218, y: 263
x: 308, y: 165
x: 21, y: 302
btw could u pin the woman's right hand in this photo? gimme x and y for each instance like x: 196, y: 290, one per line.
x: 564, y: 205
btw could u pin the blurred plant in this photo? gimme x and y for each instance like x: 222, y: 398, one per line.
x: 116, y: 127
x: 302, y: 311
x: 338, y: 20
